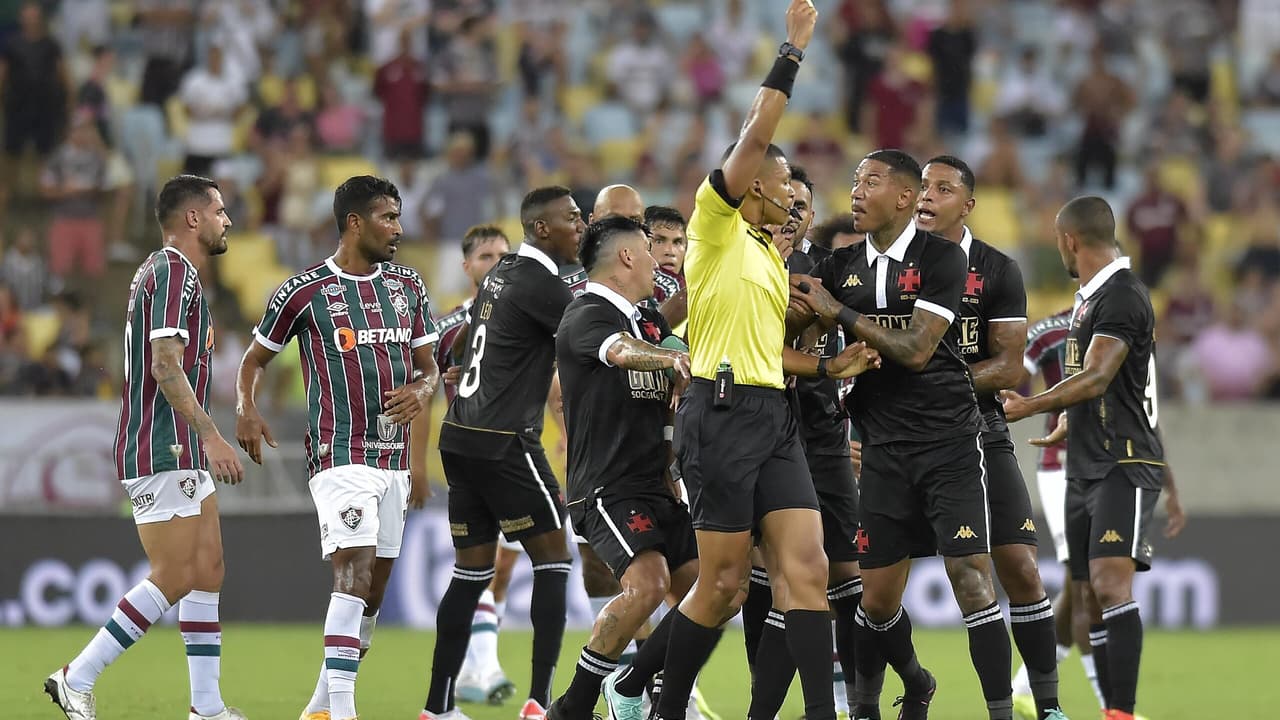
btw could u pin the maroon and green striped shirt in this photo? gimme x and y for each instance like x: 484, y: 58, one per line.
x: 356, y: 335
x: 165, y: 300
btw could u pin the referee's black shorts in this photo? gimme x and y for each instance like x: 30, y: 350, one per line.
x: 742, y: 462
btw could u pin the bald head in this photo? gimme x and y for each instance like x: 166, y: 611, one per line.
x: 1089, y: 220
x: 619, y: 201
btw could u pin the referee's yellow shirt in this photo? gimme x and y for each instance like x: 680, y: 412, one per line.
x: 738, y: 292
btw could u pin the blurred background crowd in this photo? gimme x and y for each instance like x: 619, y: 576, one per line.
x: 1170, y: 109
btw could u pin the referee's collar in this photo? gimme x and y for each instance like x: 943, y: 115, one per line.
x: 615, y: 299
x: 527, y: 249
x: 1088, y: 289
x: 898, y: 250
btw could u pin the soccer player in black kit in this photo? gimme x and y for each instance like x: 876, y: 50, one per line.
x: 993, y: 332
x: 922, y: 484
x: 1115, y: 460
x: 618, y: 400
x: 498, y: 474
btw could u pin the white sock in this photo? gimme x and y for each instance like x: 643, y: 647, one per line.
x: 320, y: 697
x: 1063, y: 652
x: 1091, y: 672
x: 628, y: 653
x: 368, y: 623
x: 837, y: 686
x: 482, y: 649
x: 202, y: 634
x: 1021, y: 681
x: 134, y: 614
x: 342, y: 652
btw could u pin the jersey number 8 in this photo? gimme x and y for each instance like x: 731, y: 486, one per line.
x: 471, y: 378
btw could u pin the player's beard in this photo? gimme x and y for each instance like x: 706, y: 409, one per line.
x: 218, y: 245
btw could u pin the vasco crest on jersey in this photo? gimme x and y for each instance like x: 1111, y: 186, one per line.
x: 909, y: 282
x: 973, y: 284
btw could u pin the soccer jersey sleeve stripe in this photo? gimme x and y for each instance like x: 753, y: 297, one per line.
x: 170, y: 332
x: 1030, y: 366
x: 424, y: 340
x: 936, y: 309
x: 1008, y: 319
x: 266, y: 342
x: 603, y: 353
x: 1113, y: 337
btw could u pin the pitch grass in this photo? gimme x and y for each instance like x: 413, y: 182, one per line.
x: 269, y: 671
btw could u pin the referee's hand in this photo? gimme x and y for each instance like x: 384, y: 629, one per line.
x: 801, y: 19
x: 853, y: 360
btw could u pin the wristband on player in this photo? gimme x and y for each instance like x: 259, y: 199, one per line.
x: 822, y: 367
x: 847, y: 317
x: 783, y: 75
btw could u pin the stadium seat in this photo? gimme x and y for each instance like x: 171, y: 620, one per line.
x: 995, y: 219
x: 618, y: 157
x: 42, y: 330
x: 608, y: 121
x: 335, y: 170
x: 1180, y: 176
x: 176, y: 115
x: 679, y: 20
x: 576, y: 100
x: 1264, y: 129
x: 252, y: 250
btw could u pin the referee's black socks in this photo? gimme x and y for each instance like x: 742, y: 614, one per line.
x: 754, y: 610
x: 1037, y: 641
x: 992, y: 658
x: 773, y: 670
x: 547, y: 613
x: 453, y: 632
x: 809, y: 638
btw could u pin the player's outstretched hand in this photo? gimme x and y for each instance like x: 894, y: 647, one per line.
x: 855, y: 455
x: 1177, y: 516
x: 681, y: 376
x: 224, y: 464
x: 419, y: 488
x: 853, y: 360
x: 802, y: 17
x: 405, y: 402
x: 251, y: 430
x: 452, y: 376
x: 1058, y: 435
x: 808, y: 291
x: 1016, y: 406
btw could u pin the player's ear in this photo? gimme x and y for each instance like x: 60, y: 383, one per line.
x: 193, y: 217
x: 968, y: 207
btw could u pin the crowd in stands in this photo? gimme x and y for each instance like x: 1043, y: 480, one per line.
x: 1169, y: 109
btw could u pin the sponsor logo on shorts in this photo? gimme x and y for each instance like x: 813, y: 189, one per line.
x: 1028, y: 525
x: 143, y: 501
x: 515, y: 524
x: 346, y: 339
x: 188, y: 486
x: 639, y: 522
x: 1111, y: 536
x: 324, y: 530
x: 459, y: 529
x: 965, y: 533
x: 351, y: 517
x: 863, y: 540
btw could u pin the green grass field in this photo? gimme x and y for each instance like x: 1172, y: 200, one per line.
x: 269, y: 672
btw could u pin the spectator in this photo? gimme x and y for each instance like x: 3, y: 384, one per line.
x: 895, y: 104
x: 952, y: 48
x: 640, y: 67
x: 1000, y: 164
x: 241, y: 27
x: 862, y: 36
x: 1234, y: 359
x: 462, y: 196
x: 73, y: 181
x: 1266, y: 92
x: 92, y: 95
x: 213, y: 98
x: 339, y: 122
x: 167, y: 31
x: 276, y: 123
x: 83, y: 23
x: 1153, y: 220
x: 13, y: 340
x: 1259, y: 266
x: 467, y: 78
x: 401, y: 87
x: 1192, y: 29
x: 1104, y: 101
x: 534, y: 150
x: 299, y: 193
x: 1029, y: 97
x: 388, y: 20
x: 93, y: 380
x: 541, y: 26
x: 1226, y: 172
x: 819, y: 151
x: 734, y: 35
x: 35, y: 86
x: 23, y: 271
x: 703, y: 68
x: 1178, y: 129
x: 45, y: 377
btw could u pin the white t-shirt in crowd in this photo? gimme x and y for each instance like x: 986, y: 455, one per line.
x: 212, y: 103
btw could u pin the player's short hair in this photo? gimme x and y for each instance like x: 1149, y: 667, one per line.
x: 1090, y: 219
x: 951, y: 161
x: 181, y: 191
x: 479, y: 234
x: 824, y: 235
x: 900, y: 163
x: 800, y: 175
x: 663, y: 216
x: 599, y: 234
x: 358, y: 194
x: 772, y: 153
x: 534, y: 204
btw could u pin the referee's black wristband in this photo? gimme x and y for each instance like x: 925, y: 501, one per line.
x: 783, y: 75
x: 847, y: 317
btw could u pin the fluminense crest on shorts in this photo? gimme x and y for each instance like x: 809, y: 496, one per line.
x: 351, y: 517
x: 188, y: 486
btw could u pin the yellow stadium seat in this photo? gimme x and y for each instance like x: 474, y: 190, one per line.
x: 122, y: 92
x: 1181, y: 177
x: 577, y: 100
x: 335, y: 170
x: 995, y: 219
x: 1043, y: 303
x: 419, y: 255
x: 791, y: 128
x: 271, y: 90
x: 252, y: 250
x: 618, y: 157
x: 41, y: 329
x: 918, y: 67
x: 507, y: 46
x: 176, y: 113
x: 256, y: 286
x: 511, y: 226
x: 243, y: 127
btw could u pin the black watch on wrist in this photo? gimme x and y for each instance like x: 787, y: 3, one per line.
x: 822, y: 367
x: 789, y: 49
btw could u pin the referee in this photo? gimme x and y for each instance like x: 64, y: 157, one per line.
x: 736, y: 438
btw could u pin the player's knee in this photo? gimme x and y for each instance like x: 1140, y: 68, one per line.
x: 210, y: 574
x: 1020, y: 577
x: 879, y: 605
x: 721, y: 584
x: 1111, y: 589
x: 175, y: 580
x: 806, y: 574
x: 971, y: 581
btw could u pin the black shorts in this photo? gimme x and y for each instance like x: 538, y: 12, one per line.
x: 837, y: 491
x: 1011, y: 518
x: 1111, y: 517
x: 22, y: 126
x: 621, y: 527
x: 918, y: 499
x: 743, y: 462
x: 514, y: 492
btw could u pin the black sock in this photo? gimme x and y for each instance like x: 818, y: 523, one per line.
x: 547, y: 613
x: 689, y: 647
x: 894, y: 638
x: 992, y: 657
x: 809, y: 637
x: 868, y: 677
x: 1037, y: 641
x: 453, y: 623
x: 1098, y: 641
x: 754, y: 610
x: 580, y: 699
x: 844, y: 599
x: 648, y: 660
x: 1124, y: 651
x: 771, y: 677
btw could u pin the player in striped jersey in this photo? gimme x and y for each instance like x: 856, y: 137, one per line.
x: 365, y: 333
x: 165, y: 440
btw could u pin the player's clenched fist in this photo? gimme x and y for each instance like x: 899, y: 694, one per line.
x: 802, y: 16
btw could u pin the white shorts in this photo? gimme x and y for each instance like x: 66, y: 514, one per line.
x: 166, y: 495
x: 361, y: 506
x: 1053, y: 499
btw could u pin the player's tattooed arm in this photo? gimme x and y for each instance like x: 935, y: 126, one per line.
x: 633, y: 354
x: 166, y: 368
x: 1101, y: 363
x: 1006, y: 341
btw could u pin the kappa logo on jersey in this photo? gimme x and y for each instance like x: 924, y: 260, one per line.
x: 338, y: 308
x: 188, y: 486
x: 909, y: 280
x: 965, y: 533
x: 639, y: 522
x: 1029, y: 525
x: 351, y: 517
x: 348, y: 338
x: 386, y: 428
x: 400, y: 304
x: 973, y: 284
x: 331, y: 290
x: 393, y: 284
x: 852, y: 281
x: 1111, y: 536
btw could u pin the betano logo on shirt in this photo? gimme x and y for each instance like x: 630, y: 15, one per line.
x: 348, y: 338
